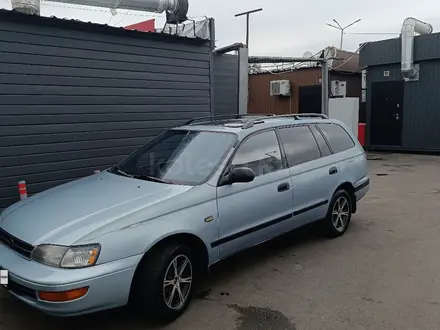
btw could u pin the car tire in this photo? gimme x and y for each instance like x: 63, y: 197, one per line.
x: 164, y: 282
x: 338, y: 215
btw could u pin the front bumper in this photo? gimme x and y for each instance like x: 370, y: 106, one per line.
x: 109, y: 284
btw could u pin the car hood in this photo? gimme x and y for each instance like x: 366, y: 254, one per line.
x: 64, y: 214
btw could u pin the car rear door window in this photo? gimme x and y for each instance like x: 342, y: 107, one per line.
x: 260, y: 152
x: 323, y: 146
x: 337, y: 137
x: 299, y: 144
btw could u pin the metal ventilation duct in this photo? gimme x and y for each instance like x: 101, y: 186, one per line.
x: 176, y: 10
x: 410, y: 27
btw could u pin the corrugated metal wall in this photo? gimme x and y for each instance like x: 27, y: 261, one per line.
x: 226, y: 84
x: 426, y: 47
x: 421, y: 104
x: 260, y: 100
x: 421, y: 115
x: 73, y: 100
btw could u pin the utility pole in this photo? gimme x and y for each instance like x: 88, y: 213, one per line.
x: 342, y: 29
x: 247, y: 13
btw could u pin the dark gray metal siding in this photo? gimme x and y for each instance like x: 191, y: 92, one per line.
x: 421, y: 126
x: 72, y: 100
x: 421, y: 108
x: 426, y: 47
x: 421, y: 115
x: 380, y: 52
x: 226, y: 84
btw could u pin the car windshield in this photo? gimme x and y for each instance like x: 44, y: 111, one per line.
x: 178, y: 157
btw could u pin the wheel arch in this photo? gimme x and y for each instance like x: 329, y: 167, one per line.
x: 155, y: 256
x: 195, y: 243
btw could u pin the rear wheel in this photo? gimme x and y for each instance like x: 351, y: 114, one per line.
x: 164, y: 282
x: 339, y: 214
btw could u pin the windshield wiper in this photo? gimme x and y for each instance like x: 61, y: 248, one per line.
x: 118, y: 170
x: 151, y: 178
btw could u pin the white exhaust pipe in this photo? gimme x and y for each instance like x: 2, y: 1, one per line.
x: 176, y: 10
x: 410, y: 27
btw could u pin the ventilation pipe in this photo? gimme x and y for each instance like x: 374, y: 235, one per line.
x: 410, y: 27
x: 176, y: 10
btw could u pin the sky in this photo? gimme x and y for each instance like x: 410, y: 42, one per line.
x: 284, y: 27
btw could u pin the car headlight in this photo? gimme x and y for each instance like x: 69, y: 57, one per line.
x: 67, y: 256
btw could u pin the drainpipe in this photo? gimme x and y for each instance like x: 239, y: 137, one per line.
x: 176, y: 10
x: 410, y: 27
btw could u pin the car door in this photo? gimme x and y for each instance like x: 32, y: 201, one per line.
x: 313, y: 174
x: 250, y: 213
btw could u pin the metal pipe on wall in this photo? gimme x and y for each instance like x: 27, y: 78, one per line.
x: 410, y: 27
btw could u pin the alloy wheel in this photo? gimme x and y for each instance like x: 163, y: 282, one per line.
x: 177, y: 282
x: 341, y: 214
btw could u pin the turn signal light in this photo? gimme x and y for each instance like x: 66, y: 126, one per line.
x: 63, y: 296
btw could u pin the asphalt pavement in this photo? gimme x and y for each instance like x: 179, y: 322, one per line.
x: 384, y: 273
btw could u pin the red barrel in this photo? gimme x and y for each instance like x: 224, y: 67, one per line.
x: 361, y: 133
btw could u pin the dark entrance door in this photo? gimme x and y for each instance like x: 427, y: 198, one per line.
x: 386, y: 113
x: 310, y: 99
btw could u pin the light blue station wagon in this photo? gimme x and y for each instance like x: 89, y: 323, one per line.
x: 144, y: 230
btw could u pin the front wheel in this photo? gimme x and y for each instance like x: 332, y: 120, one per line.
x: 163, y: 283
x: 339, y: 214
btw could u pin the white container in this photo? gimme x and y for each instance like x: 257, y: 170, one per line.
x: 346, y: 110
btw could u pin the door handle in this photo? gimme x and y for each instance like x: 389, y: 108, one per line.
x: 283, y: 187
x: 333, y: 170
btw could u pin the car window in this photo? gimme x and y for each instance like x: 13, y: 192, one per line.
x: 179, y: 156
x: 337, y: 137
x: 322, y: 144
x: 299, y: 144
x: 260, y: 152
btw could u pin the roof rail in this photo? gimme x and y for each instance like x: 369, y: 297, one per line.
x: 220, y: 119
x: 251, y: 122
x: 305, y: 115
x: 310, y: 115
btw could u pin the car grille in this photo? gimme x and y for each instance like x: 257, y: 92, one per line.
x: 16, y: 244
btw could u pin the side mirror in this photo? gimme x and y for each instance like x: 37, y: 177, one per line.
x: 239, y: 174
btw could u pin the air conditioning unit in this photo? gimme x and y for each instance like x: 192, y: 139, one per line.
x: 338, y: 88
x: 280, y: 87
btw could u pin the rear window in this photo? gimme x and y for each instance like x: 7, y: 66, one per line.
x: 337, y: 137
